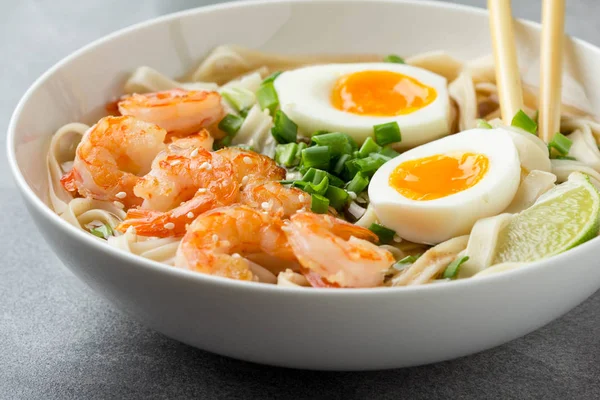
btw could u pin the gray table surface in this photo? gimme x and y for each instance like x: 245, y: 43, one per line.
x: 60, y: 340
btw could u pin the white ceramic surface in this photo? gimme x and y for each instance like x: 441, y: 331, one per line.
x: 317, y: 329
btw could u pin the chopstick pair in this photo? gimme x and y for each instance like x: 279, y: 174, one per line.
x: 508, y: 80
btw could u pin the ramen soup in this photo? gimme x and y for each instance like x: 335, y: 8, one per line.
x: 335, y: 171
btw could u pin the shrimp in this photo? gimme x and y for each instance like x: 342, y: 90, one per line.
x: 335, y: 253
x: 251, y: 166
x: 217, y: 240
x: 201, y: 140
x: 111, y: 157
x: 275, y: 198
x: 183, y: 183
x: 177, y: 110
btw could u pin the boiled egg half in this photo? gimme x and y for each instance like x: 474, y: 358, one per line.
x: 352, y: 98
x: 438, y: 191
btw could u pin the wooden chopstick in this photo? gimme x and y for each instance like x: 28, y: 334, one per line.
x: 508, y: 80
x: 551, y: 55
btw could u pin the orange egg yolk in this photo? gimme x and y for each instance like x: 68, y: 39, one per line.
x: 438, y: 176
x: 380, y: 93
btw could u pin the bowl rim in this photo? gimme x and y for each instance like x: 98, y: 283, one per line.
x: 132, y: 259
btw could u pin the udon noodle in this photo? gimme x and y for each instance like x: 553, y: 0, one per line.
x: 474, y: 96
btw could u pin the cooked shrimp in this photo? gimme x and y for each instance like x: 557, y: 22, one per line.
x: 251, y: 166
x: 111, y: 157
x: 175, y: 110
x: 216, y: 242
x: 336, y: 253
x: 201, y: 140
x: 182, y: 184
x: 275, y: 198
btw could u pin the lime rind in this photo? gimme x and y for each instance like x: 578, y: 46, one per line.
x: 561, y: 219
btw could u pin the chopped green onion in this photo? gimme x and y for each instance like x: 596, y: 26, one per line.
x: 389, y: 152
x: 370, y: 164
x: 316, y: 156
x: 564, y: 158
x: 483, y: 124
x: 221, y: 143
x: 339, y: 165
x: 287, y: 181
x: 561, y: 143
x: 339, y: 143
x: 318, y: 176
x: 387, y: 133
x: 335, y: 181
x: 239, y: 98
x: 318, y: 188
x: 320, y: 132
x: 368, y: 147
x: 271, y: 78
x: 244, y: 112
x: 103, y: 231
x: 230, y: 124
x: 285, y: 154
x: 267, y: 97
x: 385, y: 235
x: 392, y: 58
x: 284, y: 130
x: 452, y: 270
x: 337, y: 197
x: 522, y: 120
x: 358, y: 183
x: 319, y: 204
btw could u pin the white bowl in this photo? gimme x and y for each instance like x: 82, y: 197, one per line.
x: 316, y: 329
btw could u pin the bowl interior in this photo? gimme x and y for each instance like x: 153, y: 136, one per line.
x: 78, y: 88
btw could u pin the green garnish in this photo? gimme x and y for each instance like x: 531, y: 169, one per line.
x: 452, y: 270
x: 522, y: 120
x: 560, y: 143
x: 339, y: 143
x: 267, y: 97
x: 564, y: 158
x: 103, y: 231
x: 240, y: 99
x: 387, y: 133
x: 285, y: 154
x: 316, y: 156
x: 368, y: 147
x: 271, y: 78
x: 338, y: 198
x: 392, y: 58
x: 389, y: 152
x: 358, y: 183
x: 319, y: 204
x: 230, y: 124
x: 338, y: 168
x: 384, y: 234
x: 284, y: 130
x: 483, y: 124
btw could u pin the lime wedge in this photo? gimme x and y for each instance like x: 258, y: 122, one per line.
x: 562, y: 218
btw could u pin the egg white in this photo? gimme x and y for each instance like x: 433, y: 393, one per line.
x: 434, y: 221
x: 305, y: 96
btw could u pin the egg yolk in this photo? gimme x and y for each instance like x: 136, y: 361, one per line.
x: 438, y: 176
x: 380, y: 93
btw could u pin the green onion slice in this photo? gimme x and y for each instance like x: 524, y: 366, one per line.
x: 239, y: 98
x: 316, y: 156
x: 103, y: 231
x: 389, y: 152
x: 522, y: 120
x: 285, y: 154
x: 385, y: 235
x: 339, y: 143
x: 319, y: 204
x: 267, y: 97
x: 358, y: 183
x: 452, y: 270
x: 284, y: 130
x: 230, y: 124
x: 392, y: 58
x: 483, y: 124
x: 387, y: 133
x: 338, y: 198
x: 368, y: 147
x: 561, y: 143
x: 272, y: 77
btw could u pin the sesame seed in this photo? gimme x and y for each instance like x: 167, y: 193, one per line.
x: 247, y: 160
x: 202, y: 190
x: 215, y: 238
x: 121, y: 195
x: 194, y: 153
x: 175, y: 162
x: 119, y: 204
x: 205, y: 165
x: 397, y: 239
x: 182, y: 203
x: 245, y: 180
x: 190, y: 215
x: 265, y: 205
x: 169, y: 225
x: 301, y: 198
x: 236, y: 255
